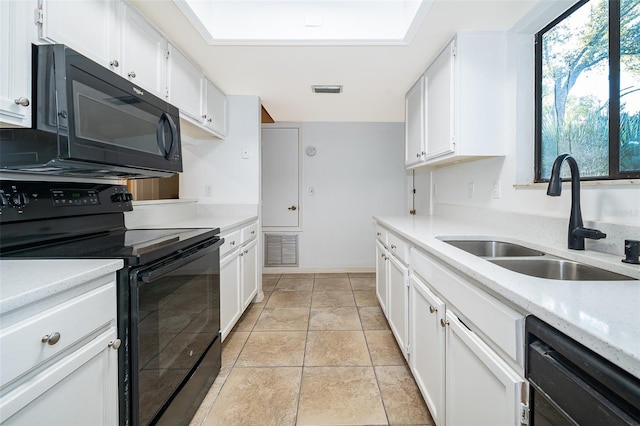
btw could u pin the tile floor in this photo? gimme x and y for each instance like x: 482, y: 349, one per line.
x: 316, y: 351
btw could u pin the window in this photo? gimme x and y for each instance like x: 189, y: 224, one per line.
x: 588, y: 90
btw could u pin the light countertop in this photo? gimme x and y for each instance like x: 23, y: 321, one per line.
x: 27, y: 281
x: 602, y: 315
x: 225, y: 223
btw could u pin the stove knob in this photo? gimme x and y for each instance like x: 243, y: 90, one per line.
x: 121, y: 197
x: 19, y: 199
x: 3, y: 201
x: 128, y: 196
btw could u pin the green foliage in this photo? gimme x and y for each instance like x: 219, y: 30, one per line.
x: 578, y: 123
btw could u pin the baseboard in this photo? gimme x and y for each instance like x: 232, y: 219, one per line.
x: 295, y: 270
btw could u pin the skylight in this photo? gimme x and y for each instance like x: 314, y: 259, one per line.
x: 306, y: 22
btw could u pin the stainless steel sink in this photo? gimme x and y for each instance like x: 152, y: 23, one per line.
x: 489, y: 248
x: 558, y: 269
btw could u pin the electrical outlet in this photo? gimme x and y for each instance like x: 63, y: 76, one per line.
x: 470, y: 186
x: 496, y: 193
x: 208, y: 191
x: 312, y: 191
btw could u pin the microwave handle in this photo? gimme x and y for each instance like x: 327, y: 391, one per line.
x: 160, y: 135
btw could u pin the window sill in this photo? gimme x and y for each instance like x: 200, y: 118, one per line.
x: 585, y: 183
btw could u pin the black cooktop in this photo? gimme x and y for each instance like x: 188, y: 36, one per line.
x: 135, y: 247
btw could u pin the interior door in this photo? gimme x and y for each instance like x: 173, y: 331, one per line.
x: 280, y: 186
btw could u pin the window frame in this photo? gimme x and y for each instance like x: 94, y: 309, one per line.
x: 614, y: 101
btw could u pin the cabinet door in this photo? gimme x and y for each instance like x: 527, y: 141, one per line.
x: 249, y: 263
x: 480, y: 388
x: 79, y: 389
x: 398, y: 303
x: 90, y: 27
x: 427, y: 360
x: 381, y: 276
x: 439, y: 104
x: 415, y: 123
x: 144, y: 52
x: 230, y: 309
x: 185, y: 86
x: 16, y: 34
x: 215, y: 111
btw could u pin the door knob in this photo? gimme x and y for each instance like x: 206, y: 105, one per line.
x: 293, y: 208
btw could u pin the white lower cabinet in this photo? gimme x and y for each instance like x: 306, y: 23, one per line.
x: 60, y: 360
x: 398, y: 302
x: 230, y: 309
x: 481, y: 389
x: 463, y: 345
x: 249, y: 274
x: 382, y: 262
x: 427, y: 338
x: 240, y: 274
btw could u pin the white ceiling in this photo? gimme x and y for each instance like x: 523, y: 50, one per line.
x: 375, y: 78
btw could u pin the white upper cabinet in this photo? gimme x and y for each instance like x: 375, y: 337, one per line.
x: 415, y: 123
x: 144, y: 53
x: 215, y: 109
x: 463, y: 102
x: 202, y: 105
x: 185, y: 85
x: 91, y: 27
x: 17, y: 32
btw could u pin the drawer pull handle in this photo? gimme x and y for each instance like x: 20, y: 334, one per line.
x: 443, y: 322
x: 115, y: 344
x: 51, y: 339
x: 432, y: 309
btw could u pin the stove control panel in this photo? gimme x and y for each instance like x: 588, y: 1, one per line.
x: 28, y: 200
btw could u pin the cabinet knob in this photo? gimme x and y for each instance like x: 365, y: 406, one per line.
x: 132, y: 74
x: 241, y: 253
x: 423, y: 153
x: 443, y: 322
x: 292, y: 208
x: 418, y: 155
x: 115, y: 64
x: 378, y: 234
x: 393, y: 246
x: 432, y: 309
x: 22, y: 101
x: 246, y: 251
x: 115, y: 344
x: 253, y: 232
x: 204, y: 116
x: 209, y: 120
x: 51, y: 339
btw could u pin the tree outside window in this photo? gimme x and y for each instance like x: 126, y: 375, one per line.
x: 588, y: 90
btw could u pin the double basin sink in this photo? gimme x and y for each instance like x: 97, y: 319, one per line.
x: 532, y: 262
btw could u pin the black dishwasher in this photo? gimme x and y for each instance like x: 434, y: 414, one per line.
x: 572, y: 385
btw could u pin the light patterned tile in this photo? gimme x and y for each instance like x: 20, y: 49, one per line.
x: 366, y: 298
x: 401, y: 397
x: 383, y: 348
x: 289, y: 299
x: 283, y: 319
x: 331, y: 284
x: 343, y: 318
x: 295, y: 284
x: 232, y: 346
x: 332, y: 275
x: 336, y: 348
x: 257, y: 396
x: 273, y: 349
x: 323, y: 299
x: 373, y: 318
x: 363, y: 283
x: 340, y: 396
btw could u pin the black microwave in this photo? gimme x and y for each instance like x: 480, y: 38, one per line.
x: 89, y: 121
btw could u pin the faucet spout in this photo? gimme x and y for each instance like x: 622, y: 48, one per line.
x: 577, y: 232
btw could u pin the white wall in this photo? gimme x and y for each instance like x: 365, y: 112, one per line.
x: 358, y: 172
x: 214, y: 170
x: 602, y: 202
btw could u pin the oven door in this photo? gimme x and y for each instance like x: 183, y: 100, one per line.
x: 175, y: 329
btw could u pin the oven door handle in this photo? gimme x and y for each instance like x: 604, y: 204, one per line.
x: 154, y: 274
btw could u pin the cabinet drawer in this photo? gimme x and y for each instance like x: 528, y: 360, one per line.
x: 231, y: 242
x: 398, y: 247
x: 249, y: 232
x: 22, y: 346
x: 487, y: 316
x: 381, y: 235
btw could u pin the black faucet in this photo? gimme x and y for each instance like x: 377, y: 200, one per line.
x: 577, y: 232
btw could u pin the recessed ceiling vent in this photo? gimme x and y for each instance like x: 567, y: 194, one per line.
x: 325, y: 88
